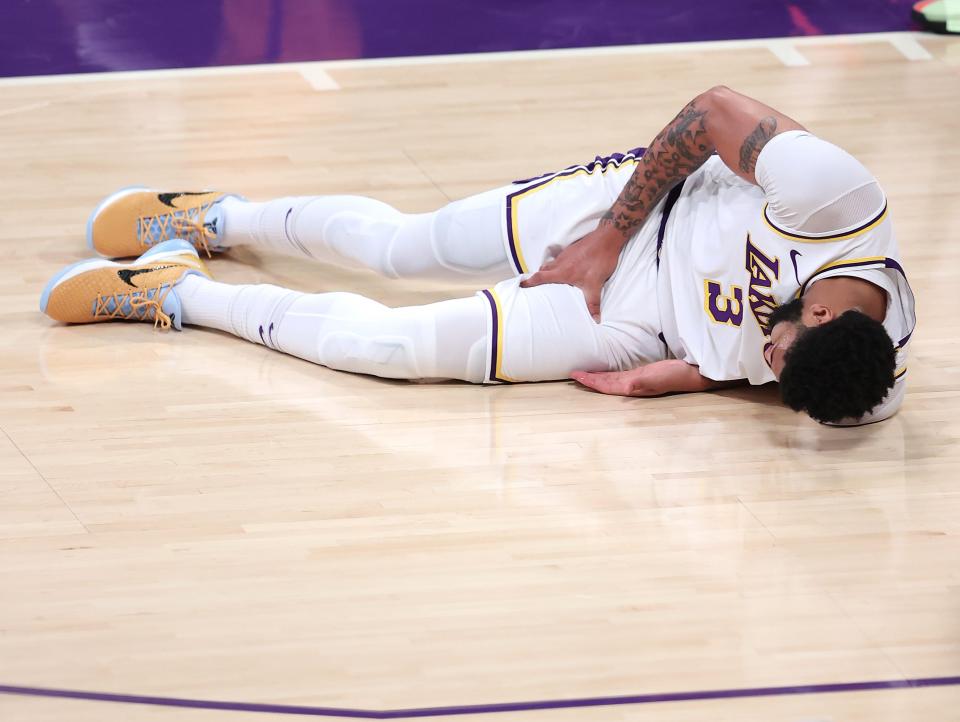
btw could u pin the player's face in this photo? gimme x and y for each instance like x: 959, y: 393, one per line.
x: 787, y: 321
x: 782, y: 337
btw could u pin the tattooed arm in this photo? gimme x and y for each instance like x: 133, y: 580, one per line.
x: 719, y: 120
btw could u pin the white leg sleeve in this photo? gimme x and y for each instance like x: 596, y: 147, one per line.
x: 464, y: 238
x: 446, y: 340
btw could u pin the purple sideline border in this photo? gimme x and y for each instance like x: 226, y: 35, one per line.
x: 49, y: 37
x: 482, y: 708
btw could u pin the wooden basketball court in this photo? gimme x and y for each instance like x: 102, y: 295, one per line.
x: 187, y: 516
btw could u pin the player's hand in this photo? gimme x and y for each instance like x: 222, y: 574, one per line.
x: 586, y: 264
x: 618, y: 383
x: 654, y: 379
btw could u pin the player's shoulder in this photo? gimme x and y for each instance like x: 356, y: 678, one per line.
x: 816, y: 191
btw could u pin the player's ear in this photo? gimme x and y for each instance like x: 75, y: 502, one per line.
x: 819, y: 314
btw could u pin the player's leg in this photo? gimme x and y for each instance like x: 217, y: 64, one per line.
x: 345, y: 331
x: 506, y: 334
x: 463, y: 239
x: 170, y: 286
x: 494, y: 235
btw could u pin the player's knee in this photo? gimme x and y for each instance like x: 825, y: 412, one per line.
x: 439, y: 341
x: 387, y: 356
x: 454, y: 239
x: 476, y: 362
x: 363, y: 336
x: 467, y: 241
x: 371, y: 242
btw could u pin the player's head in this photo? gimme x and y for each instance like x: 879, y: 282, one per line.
x: 831, y: 366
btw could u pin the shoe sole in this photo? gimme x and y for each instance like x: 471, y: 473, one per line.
x: 167, y: 249
x: 103, y: 204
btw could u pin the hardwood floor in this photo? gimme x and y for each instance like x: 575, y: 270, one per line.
x: 187, y: 515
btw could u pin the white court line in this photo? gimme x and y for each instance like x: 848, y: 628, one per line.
x: 911, y: 49
x: 319, y: 79
x: 161, y: 74
x: 512, y: 55
x: 788, y: 53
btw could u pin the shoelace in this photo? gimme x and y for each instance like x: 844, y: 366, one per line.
x: 202, y: 236
x: 140, y: 305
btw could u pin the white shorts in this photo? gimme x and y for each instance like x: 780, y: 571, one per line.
x: 543, y: 216
x: 544, y: 333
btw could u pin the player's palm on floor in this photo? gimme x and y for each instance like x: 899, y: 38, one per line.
x: 619, y: 383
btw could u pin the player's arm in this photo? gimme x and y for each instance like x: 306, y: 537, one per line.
x: 720, y: 120
x: 672, y: 376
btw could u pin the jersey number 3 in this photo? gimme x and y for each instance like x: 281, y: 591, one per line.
x: 720, y: 307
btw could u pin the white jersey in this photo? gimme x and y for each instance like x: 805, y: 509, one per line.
x: 734, y: 251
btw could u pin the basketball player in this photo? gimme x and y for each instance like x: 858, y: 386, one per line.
x: 738, y: 247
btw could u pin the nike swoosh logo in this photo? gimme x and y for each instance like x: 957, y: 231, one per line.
x: 126, y: 274
x: 168, y: 198
x: 793, y: 260
x: 268, y: 341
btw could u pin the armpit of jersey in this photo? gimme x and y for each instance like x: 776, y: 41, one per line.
x: 815, y: 191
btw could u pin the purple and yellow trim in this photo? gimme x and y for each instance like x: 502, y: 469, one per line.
x: 603, y: 164
x: 672, y: 197
x: 807, y: 238
x: 873, y: 262
x: 868, y: 262
x: 496, y: 339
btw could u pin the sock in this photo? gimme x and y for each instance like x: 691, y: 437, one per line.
x: 250, y: 312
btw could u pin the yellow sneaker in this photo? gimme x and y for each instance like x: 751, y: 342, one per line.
x: 96, y: 290
x: 134, y: 219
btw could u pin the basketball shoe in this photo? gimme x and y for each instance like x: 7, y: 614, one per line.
x: 144, y: 290
x: 133, y: 219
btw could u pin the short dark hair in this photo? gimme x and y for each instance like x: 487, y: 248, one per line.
x: 840, y: 369
x: 791, y: 311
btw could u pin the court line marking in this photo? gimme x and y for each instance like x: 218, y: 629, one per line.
x: 911, y: 49
x: 319, y: 79
x: 457, y: 710
x: 788, y: 54
x: 900, y: 40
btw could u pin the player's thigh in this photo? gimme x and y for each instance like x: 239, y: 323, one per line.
x: 515, y: 229
x: 345, y: 331
x: 468, y: 236
x: 542, y: 334
x: 543, y: 217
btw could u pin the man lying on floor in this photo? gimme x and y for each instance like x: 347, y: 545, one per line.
x: 740, y: 248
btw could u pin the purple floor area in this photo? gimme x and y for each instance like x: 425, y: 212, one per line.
x: 47, y: 37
